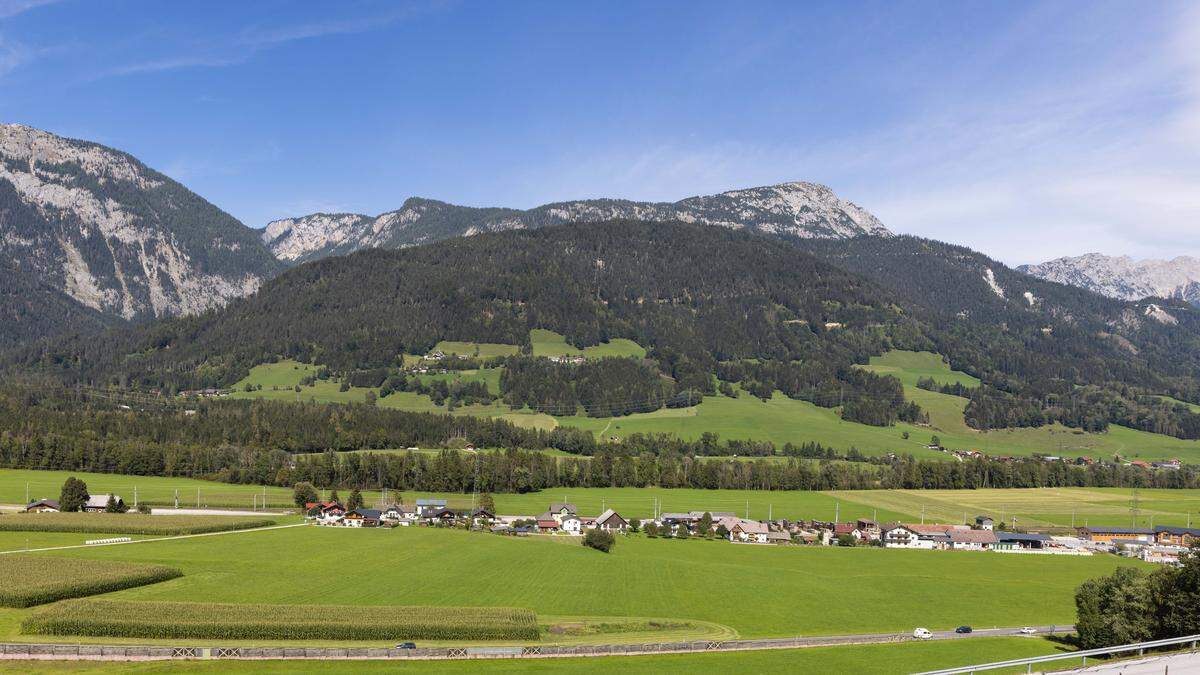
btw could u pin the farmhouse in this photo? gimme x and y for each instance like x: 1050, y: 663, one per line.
x: 482, y: 517
x: 1106, y: 535
x: 43, y: 506
x: 547, y: 525
x: 99, y: 503
x: 1016, y: 541
x: 1176, y: 536
x: 749, y: 530
x: 571, y: 524
x: 984, y: 523
x: 901, y: 536
x: 396, y: 513
x: 560, y: 510
x: 442, y: 516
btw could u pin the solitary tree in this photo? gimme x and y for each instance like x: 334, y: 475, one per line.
x: 487, y: 503
x: 705, y: 526
x: 355, y: 501
x: 635, y: 525
x: 600, y: 540
x: 74, y: 495
x: 1114, y: 610
x: 304, y: 493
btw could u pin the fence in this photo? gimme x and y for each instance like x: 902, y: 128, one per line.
x: 1139, y: 647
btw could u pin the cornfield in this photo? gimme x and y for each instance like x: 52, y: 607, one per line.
x: 31, y: 580
x: 213, y: 621
x: 125, y: 523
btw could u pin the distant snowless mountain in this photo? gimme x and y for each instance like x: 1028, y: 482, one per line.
x: 1125, y: 278
x: 804, y: 210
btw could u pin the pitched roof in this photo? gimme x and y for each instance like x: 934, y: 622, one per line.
x: 559, y: 506
x: 972, y: 536
x: 53, y: 503
x: 752, y: 527
x: 930, y: 529
x: 1021, y: 536
x: 100, y: 501
x: 609, y: 513
x: 1177, y: 531
x: 372, y: 514
x: 431, y: 502
x: 1117, y: 530
x: 843, y: 528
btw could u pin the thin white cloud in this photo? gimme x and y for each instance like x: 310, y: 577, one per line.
x: 9, y: 8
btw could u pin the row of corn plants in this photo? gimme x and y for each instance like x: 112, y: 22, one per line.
x: 215, y: 621
x: 32, y: 580
x: 126, y: 523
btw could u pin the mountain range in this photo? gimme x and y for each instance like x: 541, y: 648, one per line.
x: 1125, y: 278
x: 804, y: 210
x: 97, y: 229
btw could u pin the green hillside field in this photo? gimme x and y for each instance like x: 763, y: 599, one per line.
x: 781, y: 419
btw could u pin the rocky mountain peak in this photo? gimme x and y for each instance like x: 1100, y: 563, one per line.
x: 1124, y: 277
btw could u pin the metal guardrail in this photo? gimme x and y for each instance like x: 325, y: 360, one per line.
x: 1139, y: 647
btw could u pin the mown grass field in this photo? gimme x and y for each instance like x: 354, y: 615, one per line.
x: 477, y: 350
x: 781, y: 419
x: 548, y: 343
x: 866, y: 659
x: 780, y: 591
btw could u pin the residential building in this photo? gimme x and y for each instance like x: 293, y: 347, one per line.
x: 571, y: 523
x: 426, y: 506
x: 43, y: 506
x: 983, y: 523
x: 560, y: 510
x: 362, y: 518
x: 749, y: 531
x: 901, y: 536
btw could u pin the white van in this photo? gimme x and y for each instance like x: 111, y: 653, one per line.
x: 922, y: 634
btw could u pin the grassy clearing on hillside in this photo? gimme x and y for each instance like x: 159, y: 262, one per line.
x: 216, y: 621
x: 865, y: 659
x: 781, y: 591
x: 548, y: 343
x: 33, y: 580
x: 478, y: 350
x: 780, y: 419
x: 126, y: 523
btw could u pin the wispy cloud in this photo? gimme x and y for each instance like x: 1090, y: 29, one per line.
x: 232, y: 50
x: 14, y: 7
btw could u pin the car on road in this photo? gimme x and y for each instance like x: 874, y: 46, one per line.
x: 963, y: 629
x: 922, y: 634
x: 406, y: 645
x: 1028, y: 630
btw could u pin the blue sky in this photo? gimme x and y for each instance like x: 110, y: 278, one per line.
x: 1025, y: 130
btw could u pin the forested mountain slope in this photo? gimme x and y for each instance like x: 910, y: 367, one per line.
x: 705, y: 301
x: 114, y: 235
x: 788, y: 209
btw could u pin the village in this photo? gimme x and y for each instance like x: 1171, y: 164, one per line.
x: 1160, y: 544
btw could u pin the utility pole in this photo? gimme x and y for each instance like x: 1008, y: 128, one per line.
x: 837, y: 512
x: 176, y: 497
x: 922, y: 514
x: 135, y: 498
x: 26, y: 492
x: 197, y: 497
x: 1134, y: 508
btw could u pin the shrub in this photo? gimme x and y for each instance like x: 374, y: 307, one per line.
x: 125, y: 523
x: 32, y: 580
x: 215, y: 621
x: 599, y: 540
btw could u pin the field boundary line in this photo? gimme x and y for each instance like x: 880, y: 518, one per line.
x: 144, y: 541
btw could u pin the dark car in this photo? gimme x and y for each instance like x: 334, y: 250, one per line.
x: 963, y: 629
x: 406, y: 645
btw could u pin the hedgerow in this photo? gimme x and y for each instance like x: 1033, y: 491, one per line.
x: 215, y: 621
x: 125, y: 523
x: 32, y: 580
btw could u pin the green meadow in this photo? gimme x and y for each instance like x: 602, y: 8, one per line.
x: 779, y: 420
x: 548, y: 343
x: 780, y: 591
x: 866, y: 659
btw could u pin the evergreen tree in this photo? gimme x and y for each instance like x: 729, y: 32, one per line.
x: 705, y: 526
x: 487, y: 503
x: 355, y: 501
x: 74, y: 495
x: 304, y: 493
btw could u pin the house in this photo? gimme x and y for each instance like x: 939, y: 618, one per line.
x: 571, y: 523
x: 847, y: 530
x: 396, y: 513
x: 692, y: 518
x: 611, y: 521
x: 442, y: 516
x: 43, y: 506
x: 1176, y: 536
x: 362, y: 518
x: 427, y: 506
x: 559, y: 510
x: 869, y: 529
x: 1106, y: 535
x: 971, y: 540
x: 935, y: 536
x: 902, y: 536
x: 983, y: 523
x: 548, y: 525
x: 778, y: 538
x: 1170, y: 465
x: 749, y: 531
x: 98, y: 503
x: 482, y: 517
x: 1141, y: 464
x: 1021, y: 541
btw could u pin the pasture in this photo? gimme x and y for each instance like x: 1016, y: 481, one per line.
x: 548, y: 343
x: 780, y: 591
